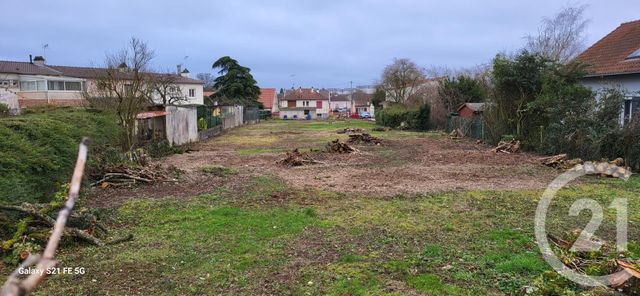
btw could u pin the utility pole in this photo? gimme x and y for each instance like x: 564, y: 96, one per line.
x: 351, y: 97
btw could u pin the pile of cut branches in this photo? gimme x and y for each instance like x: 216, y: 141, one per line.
x: 512, y: 146
x: 129, y: 175
x: 580, y: 257
x: 297, y: 158
x: 363, y: 138
x: 34, y: 223
x: 336, y: 146
x: 350, y: 130
x: 456, y: 134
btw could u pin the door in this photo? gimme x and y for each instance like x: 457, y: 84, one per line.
x: 319, y: 104
x: 291, y: 104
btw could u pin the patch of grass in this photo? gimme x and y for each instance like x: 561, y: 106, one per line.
x: 218, y: 170
x: 195, y: 248
x: 432, y: 284
x: 254, y: 151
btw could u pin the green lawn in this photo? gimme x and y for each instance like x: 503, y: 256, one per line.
x: 266, y: 237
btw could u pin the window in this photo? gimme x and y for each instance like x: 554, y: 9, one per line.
x: 64, y: 85
x: 192, y: 92
x: 73, y: 85
x: 34, y: 85
x: 56, y: 85
x: 634, y: 55
x: 631, y: 108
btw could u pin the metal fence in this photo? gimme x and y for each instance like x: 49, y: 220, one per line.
x: 471, y: 127
x: 207, y: 113
x: 251, y: 115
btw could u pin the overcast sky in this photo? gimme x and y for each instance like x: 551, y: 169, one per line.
x: 320, y: 43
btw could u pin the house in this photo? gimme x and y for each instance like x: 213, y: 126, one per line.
x: 33, y: 83
x: 269, y: 100
x: 469, y: 110
x: 340, y: 102
x: 304, y: 103
x: 614, y: 61
x: 362, y: 103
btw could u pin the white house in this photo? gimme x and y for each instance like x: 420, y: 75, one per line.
x: 33, y: 83
x: 614, y: 62
x: 304, y: 103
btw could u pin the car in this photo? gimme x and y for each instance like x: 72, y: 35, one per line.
x: 365, y: 115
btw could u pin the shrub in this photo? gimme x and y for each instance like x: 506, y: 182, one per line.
x: 202, y: 124
x: 38, y: 150
x: 4, y: 109
x: 394, y: 116
x: 162, y: 148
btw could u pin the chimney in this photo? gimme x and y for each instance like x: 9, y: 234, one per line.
x: 185, y: 73
x: 123, y: 67
x: 39, y: 60
x: 178, y: 69
x: 30, y: 59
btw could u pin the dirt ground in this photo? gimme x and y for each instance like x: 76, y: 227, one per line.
x: 406, y: 163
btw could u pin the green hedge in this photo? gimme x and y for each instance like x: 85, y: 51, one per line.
x: 38, y: 151
x: 394, y: 116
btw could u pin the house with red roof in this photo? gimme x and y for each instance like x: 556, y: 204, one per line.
x: 304, y: 103
x: 614, y: 61
x: 269, y: 99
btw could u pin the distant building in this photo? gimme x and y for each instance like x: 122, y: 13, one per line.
x: 469, y: 110
x: 304, y: 103
x: 33, y: 83
x: 269, y: 99
x: 614, y: 61
x: 340, y: 102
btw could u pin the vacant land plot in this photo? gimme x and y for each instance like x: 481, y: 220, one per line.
x: 418, y: 214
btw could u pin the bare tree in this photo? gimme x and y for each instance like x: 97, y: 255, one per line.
x: 207, y: 79
x: 167, y: 88
x: 124, y: 87
x: 401, y: 80
x: 562, y: 37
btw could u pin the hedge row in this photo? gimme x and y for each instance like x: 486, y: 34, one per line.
x: 398, y: 115
x: 38, y: 151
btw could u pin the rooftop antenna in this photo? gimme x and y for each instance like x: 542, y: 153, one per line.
x: 184, y: 61
x: 44, y: 50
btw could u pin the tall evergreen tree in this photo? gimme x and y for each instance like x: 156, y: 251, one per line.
x: 235, y: 85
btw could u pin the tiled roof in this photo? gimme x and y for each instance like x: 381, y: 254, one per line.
x: 305, y: 94
x: 609, y: 56
x: 340, y: 98
x: 267, y: 95
x: 25, y: 68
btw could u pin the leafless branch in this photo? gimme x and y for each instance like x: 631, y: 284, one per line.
x: 14, y: 286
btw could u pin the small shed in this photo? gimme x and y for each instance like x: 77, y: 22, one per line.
x: 468, y: 110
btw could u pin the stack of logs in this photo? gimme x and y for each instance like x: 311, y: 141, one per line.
x: 364, y: 138
x: 512, y: 146
x: 336, y: 146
